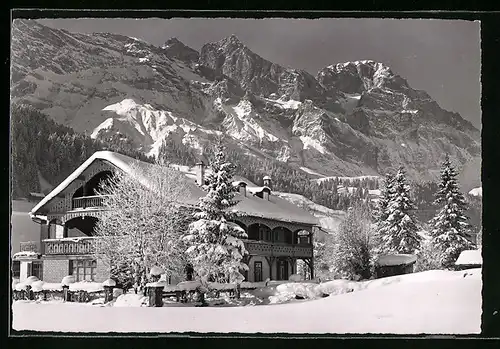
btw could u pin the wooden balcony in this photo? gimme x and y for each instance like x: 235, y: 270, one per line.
x: 68, y: 246
x: 86, y: 202
x: 84, y: 245
x: 262, y: 248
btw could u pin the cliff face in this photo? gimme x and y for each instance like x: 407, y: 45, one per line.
x: 351, y: 119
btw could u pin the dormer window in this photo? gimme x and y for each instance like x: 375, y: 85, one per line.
x: 261, y: 192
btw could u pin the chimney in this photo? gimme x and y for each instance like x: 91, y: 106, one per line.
x: 265, y: 194
x: 200, y: 173
x: 267, y: 181
x: 242, y: 188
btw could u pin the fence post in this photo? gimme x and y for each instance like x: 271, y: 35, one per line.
x: 155, y: 294
x: 66, y: 296
x: 238, y: 291
x: 29, y: 292
x: 108, y: 285
x: 66, y: 281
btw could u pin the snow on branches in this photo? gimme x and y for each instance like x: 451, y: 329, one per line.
x: 142, y: 221
x: 353, y: 250
x: 215, y: 249
x: 450, y: 228
x: 397, y: 227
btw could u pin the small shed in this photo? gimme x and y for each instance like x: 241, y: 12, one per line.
x: 394, y: 264
x: 469, y: 259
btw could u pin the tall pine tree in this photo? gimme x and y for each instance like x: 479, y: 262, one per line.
x: 380, y: 212
x: 450, y: 228
x: 215, y: 249
x: 398, y: 231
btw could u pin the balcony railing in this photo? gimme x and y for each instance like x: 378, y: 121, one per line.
x: 84, y: 245
x: 66, y: 246
x: 263, y: 248
x: 85, y: 202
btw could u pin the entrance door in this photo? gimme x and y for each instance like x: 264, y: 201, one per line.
x: 257, y: 271
x: 282, y: 269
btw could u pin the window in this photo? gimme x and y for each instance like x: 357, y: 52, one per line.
x: 16, y: 269
x: 257, y: 271
x: 303, y: 237
x: 279, y: 235
x: 36, y: 269
x: 303, y: 240
x: 253, y: 232
x: 56, y: 229
x: 265, y: 233
x: 83, y: 269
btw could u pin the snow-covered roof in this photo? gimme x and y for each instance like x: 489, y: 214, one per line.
x: 470, y: 257
x: 477, y: 191
x: 396, y: 259
x: 274, y: 208
x: 255, y: 190
x: 27, y: 254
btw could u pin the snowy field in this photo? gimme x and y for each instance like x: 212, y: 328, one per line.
x: 433, y: 302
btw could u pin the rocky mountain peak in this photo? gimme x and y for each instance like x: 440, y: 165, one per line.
x: 174, y: 48
x: 360, y: 76
x: 351, y: 119
x: 232, y: 40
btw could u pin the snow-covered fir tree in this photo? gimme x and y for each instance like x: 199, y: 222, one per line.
x: 397, y: 233
x: 450, y: 228
x: 380, y: 211
x: 215, y: 249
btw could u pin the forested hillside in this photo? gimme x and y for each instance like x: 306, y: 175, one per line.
x: 42, y: 147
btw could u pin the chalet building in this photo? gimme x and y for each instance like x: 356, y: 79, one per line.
x: 279, y: 233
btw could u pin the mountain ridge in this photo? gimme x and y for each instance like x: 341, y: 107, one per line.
x: 353, y: 118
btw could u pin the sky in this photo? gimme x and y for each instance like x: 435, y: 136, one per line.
x: 441, y: 57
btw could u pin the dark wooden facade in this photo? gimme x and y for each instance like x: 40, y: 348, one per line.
x: 274, y: 246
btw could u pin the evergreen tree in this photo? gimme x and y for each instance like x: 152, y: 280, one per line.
x: 215, y: 248
x: 451, y: 230
x: 41, y: 146
x: 398, y: 232
x: 380, y: 212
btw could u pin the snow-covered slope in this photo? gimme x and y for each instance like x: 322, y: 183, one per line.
x: 352, y: 119
x: 329, y: 219
x: 148, y: 127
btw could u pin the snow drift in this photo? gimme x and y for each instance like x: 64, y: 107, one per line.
x: 434, y: 302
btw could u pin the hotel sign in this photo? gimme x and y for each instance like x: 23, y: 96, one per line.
x: 29, y: 246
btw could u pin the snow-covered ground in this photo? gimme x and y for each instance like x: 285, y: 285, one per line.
x: 434, y: 302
